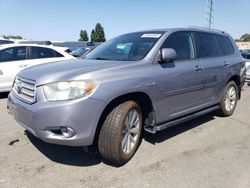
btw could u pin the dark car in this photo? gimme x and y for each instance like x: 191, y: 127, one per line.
x: 3, y: 41
x: 82, y: 52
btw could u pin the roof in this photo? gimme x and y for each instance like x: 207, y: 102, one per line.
x: 37, y: 45
x: 192, y: 28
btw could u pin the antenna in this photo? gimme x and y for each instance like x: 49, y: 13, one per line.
x: 209, y: 13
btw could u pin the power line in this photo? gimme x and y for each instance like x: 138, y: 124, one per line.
x: 209, y: 13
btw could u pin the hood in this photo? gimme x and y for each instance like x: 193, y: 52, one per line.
x: 64, y: 70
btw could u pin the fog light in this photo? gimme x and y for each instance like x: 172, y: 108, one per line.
x: 68, y: 132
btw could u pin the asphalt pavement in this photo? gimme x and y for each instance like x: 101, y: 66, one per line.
x: 209, y: 151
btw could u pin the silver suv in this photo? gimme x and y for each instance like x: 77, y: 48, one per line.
x: 147, y: 80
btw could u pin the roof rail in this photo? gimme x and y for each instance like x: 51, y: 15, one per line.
x: 205, y: 28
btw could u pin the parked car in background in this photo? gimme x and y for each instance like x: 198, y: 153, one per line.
x: 74, y: 45
x: 247, y: 57
x: 46, y: 42
x: 247, y: 51
x: 80, y: 52
x: 5, y: 41
x: 147, y: 80
x: 16, y: 57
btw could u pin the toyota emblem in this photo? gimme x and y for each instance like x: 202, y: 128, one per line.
x: 19, y: 87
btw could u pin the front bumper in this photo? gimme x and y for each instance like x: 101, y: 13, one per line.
x: 42, y: 117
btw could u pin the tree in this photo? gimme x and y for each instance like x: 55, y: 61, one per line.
x: 99, y: 33
x: 84, y: 36
x: 5, y: 37
x: 92, y: 36
x: 245, y: 37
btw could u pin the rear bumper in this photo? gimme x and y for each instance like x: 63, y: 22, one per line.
x: 42, y: 117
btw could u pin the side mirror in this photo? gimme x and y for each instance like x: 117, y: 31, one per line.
x: 168, y: 54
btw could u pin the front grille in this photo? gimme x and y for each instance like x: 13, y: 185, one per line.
x: 25, y: 89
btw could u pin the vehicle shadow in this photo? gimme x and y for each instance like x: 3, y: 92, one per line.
x: 178, y: 129
x: 4, y: 95
x: 74, y: 156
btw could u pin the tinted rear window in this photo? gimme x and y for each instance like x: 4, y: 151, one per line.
x: 206, y: 45
x: 57, y: 54
x: 6, y: 42
x: 246, y: 56
x: 225, y: 45
x: 39, y: 52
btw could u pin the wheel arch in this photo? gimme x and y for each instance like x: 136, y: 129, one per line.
x: 237, y: 80
x: 141, y: 98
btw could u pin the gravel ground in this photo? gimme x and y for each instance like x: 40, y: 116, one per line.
x: 209, y: 151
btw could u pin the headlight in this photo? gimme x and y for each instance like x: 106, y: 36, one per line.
x: 69, y: 90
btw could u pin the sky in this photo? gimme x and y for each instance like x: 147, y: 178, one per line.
x: 61, y: 20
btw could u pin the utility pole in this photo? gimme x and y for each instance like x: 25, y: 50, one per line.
x: 209, y: 13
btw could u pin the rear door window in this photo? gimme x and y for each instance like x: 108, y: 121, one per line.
x: 182, y: 43
x: 40, y: 53
x: 225, y: 45
x: 206, y: 45
x: 13, y: 54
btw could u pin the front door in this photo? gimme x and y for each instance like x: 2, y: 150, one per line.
x: 181, y: 80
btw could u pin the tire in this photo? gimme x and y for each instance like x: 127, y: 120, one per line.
x: 115, y: 133
x: 229, y: 99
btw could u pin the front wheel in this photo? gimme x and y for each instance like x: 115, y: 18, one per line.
x: 229, y: 99
x: 120, y: 134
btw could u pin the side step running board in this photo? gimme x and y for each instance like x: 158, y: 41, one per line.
x: 186, y: 118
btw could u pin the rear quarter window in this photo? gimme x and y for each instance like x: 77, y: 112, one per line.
x: 57, y: 54
x: 40, y: 53
x: 225, y: 45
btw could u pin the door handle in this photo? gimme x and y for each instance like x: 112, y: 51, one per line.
x: 198, y: 68
x: 226, y: 64
x: 23, y: 65
x: 1, y: 73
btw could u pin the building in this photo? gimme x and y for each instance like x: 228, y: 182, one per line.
x: 243, y: 45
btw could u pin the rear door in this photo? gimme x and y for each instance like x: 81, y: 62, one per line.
x: 181, y: 80
x: 12, y: 60
x: 215, y: 65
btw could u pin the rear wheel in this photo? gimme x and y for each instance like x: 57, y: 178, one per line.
x: 229, y: 99
x: 121, y: 133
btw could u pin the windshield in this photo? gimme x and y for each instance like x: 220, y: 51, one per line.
x: 128, y: 47
x: 246, y: 56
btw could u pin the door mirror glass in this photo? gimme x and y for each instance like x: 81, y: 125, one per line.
x: 168, y: 54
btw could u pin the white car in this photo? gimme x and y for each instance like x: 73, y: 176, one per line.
x: 246, y: 55
x: 248, y: 69
x: 16, y: 57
